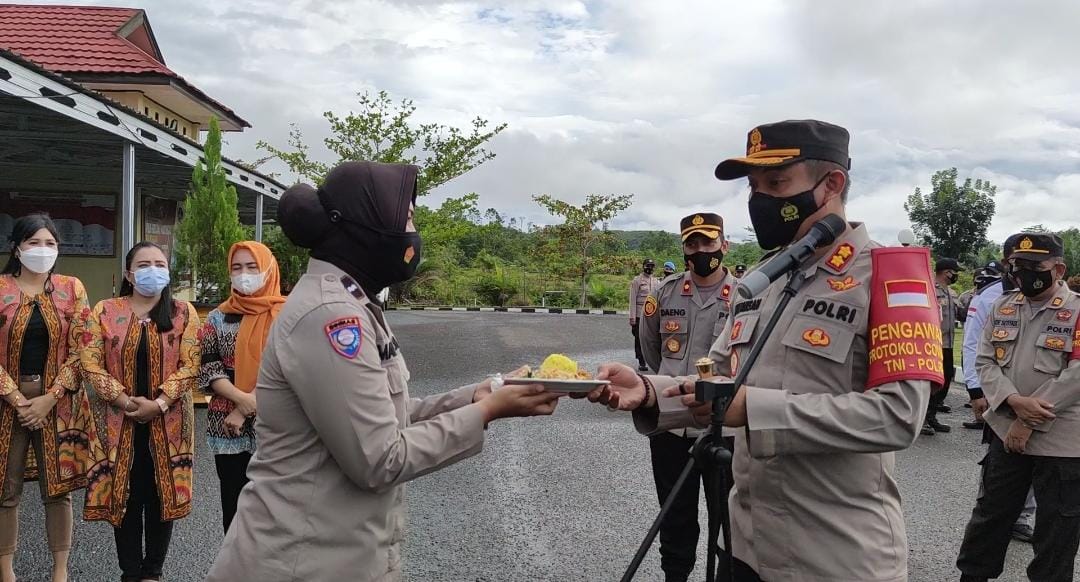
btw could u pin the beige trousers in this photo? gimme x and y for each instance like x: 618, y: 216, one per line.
x: 59, y: 520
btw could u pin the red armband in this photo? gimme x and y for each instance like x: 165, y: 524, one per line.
x: 1076, y: 341
x: 905, y: 319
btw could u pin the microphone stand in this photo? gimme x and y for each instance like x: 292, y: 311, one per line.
x: 709, y: 451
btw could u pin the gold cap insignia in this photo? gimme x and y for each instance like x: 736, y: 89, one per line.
x: 698, y: 220
x: 755, y: 142
x: 1026, y: 244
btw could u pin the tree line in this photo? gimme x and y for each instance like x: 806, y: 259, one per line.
x: 483, y: 257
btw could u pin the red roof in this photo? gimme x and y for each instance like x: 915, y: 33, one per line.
x: 85, y: 40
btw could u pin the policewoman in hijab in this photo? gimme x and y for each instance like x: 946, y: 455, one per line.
x: 338, y: 432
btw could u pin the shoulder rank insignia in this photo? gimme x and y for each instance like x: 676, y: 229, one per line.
x: 1064, y: 315
x: 650, y: 306
x: 673, y: 345
x: 686, y: 288
x: 344, y: 336
x: 840, y: 259
x: 725, y: 292
x: 816, y: 337
x: 1057, y: 302
x: 846, y: 284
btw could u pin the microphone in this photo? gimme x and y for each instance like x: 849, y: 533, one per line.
x: 823, y: 233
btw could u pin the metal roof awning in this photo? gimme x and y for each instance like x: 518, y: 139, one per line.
x: 22, y: 79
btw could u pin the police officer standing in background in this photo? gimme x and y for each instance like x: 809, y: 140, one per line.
x: 841, y: 383
x: 679, y: 324
x: 1029, y: 366
x: 640, y: 288
x: 946, y: 273
x: 978, y: 314
x: 669, y: 269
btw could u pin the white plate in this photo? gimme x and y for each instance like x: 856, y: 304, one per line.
x: 559, y: 385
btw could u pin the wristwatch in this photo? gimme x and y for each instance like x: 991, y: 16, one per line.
x: 162, y: 405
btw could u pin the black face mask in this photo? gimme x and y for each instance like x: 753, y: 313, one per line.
x: 1033, y: 283
x: 376, y: 258
x: 776, y: 220
x: 704, y: 264
x: 1007, y: 282
x: 954, y: 278
x: 649, y: 270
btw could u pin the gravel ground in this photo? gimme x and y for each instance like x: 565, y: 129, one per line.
x: 565, y: 498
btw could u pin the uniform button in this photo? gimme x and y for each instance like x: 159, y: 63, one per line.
x: 330, y: 278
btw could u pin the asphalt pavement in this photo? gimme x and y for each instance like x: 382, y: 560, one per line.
x: 565, y: 498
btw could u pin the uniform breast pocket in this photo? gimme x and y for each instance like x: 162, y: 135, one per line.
x: 673, y: 336
x: 718, y: 327
x: 399, y: 389
x: 1004, y: 341
x: 1052, y: 352
x: 817, y: 355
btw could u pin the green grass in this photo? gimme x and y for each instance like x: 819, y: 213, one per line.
x: 958, y: 346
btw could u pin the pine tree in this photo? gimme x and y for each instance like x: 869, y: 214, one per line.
x: 210, y: 223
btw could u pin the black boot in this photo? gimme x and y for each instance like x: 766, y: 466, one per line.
x: 937, y: 426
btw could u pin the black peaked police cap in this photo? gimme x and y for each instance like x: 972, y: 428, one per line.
x: 775, y: 145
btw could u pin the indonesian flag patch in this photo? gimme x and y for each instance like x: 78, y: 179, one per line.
x: 907, y: 293
x: 344, y: 336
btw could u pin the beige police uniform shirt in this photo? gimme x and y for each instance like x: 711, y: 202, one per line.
x: 946, y: 298
x: 640, y: 288
x: 338, y: 437
x: 681, y: 326
x: 815, y: 496
x: 1032, y: 350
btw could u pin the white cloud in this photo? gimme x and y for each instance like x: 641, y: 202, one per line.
x: 645, y: 97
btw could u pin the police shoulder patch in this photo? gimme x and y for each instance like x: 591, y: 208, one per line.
x: 344, y: 336
x: 649, y: 309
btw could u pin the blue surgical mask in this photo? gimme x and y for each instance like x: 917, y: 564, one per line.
x: 149, y: 281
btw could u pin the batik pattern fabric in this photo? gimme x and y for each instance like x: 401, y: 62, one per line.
x: 218, y: 340
x: 65, y: 435
x: 110, y: 345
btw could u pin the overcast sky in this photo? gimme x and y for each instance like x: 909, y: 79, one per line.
x: 644, y: 98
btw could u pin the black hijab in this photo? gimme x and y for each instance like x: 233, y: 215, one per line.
x: 357, y: 221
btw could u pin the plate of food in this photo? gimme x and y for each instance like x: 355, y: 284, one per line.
x: 559, y: 373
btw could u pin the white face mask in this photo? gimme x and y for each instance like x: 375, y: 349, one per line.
x: 38, y: 259
x: 247, y: 283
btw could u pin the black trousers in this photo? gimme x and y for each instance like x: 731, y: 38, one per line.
x: 938, y: 398
x: 142, y: 517
x: 232, y: 472
x: 1006, y: 480
x: 635, y: 329
x: 680, y: 529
